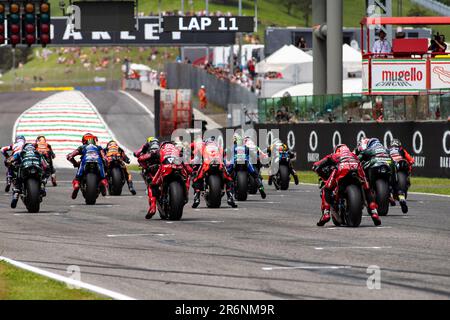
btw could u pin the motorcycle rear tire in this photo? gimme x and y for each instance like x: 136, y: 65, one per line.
x: 284, y: 177
x: 116, y: 179
x: 91, y: 193
x: 33, y: 197
x: 176, y: 200
x: 252, y: 187
x: 354, y: 205
x: 242, y: 184
x: 382, y: 196
x: 214, y: 197
x: 403, y: 182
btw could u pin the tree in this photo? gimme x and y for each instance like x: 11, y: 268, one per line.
x: 305, y: 6
x: 289, y: 5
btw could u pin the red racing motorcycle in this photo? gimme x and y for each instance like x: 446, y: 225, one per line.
x: 348, y: 197
x: 173, y: 180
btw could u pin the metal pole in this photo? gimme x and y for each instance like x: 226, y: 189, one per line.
x: 240, y: 37
x: 319, y: 16
x: 256, y: 16
x: 207, y: 7
x: 182, y: 6
x: 14, y: 68
x: 334, y: 46
x: 159, y: 14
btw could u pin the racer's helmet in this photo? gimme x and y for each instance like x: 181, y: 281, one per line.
x: 28, y: 147
x: 211, y: 139
x: 111, y: 143
x: 237, y: 138
x: 86, y: 137
x: 154, y: 144
x: 41, y: 139
x: 341, y: 148
x: 362, y: 144
x: 150, y: 139
x: 20, y: 138
x: 373, y: 142
x: 396, y: 143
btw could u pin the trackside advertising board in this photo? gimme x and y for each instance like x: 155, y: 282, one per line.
x: 440, y: 74
x: 399, y: 76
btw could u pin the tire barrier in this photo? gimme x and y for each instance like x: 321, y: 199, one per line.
x: 427, y: 142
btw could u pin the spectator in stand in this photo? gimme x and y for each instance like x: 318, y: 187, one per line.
x: 381, y: 45
x: 162, y: 80
x: 438, y: 44
x: 251, y: 67
x: 302, y: 43
x: 202, y: 97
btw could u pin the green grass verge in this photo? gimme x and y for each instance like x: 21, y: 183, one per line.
x: 418, y: 184
x: 17, y: 284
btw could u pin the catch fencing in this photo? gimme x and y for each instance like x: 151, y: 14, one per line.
x: 219, y: 92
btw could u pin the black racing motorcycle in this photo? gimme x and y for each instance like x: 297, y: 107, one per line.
x: 116, y: 176
x: 379, y: 175
x: 31, y: 182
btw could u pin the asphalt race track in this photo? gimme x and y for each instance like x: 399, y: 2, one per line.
x: 265, y: 249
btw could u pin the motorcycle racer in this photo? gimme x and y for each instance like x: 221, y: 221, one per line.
x: 15, y: 160
x: 336, y: 166
x: 15, y: 148
x: 113, y: 150
x: 149, y: 160
x: 273, y: 149
x: 89, y: 144
x: 238, y: 142
x: 210, y: 150
x: 398, y: 154
x: 45, y: 149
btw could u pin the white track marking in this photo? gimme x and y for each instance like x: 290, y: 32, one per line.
x: 306, y: 268
x: 344, y: 228
x: 196, y: 221
x: 38, y: 214
x: 77, y: 283
x: 333, y: 248
x: 140, y: 235
x: 140, y: 104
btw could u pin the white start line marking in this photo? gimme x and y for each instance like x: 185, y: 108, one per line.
x: 333, y: 248
x: 196, y: 221
x: 344, y: 228
x: 140, y: 235
x: 306, y: 268
x: 39, y: 214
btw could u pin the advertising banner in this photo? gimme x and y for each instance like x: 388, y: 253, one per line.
x: 427, y: 142
x: 148, y: 33
x: 440, y: 74
x: 399, y: 76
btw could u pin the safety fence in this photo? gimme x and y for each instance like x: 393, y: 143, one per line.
x: 220, y: 92
x: 354, y: 108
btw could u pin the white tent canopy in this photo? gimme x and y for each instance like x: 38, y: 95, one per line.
x: 351, y: 59
x: 352, y: 85
x: 283, y: 58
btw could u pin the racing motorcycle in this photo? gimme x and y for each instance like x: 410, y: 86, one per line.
x: 378, y: 172
x: 173, y: 194
x: 347, y: 200
x: 241, y: 176
x: 403, y: 172
x: 213, y: 168
x: 115, y: 176
x: 32, y: 183
x: 282, y: 178
x: 90, y: 181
